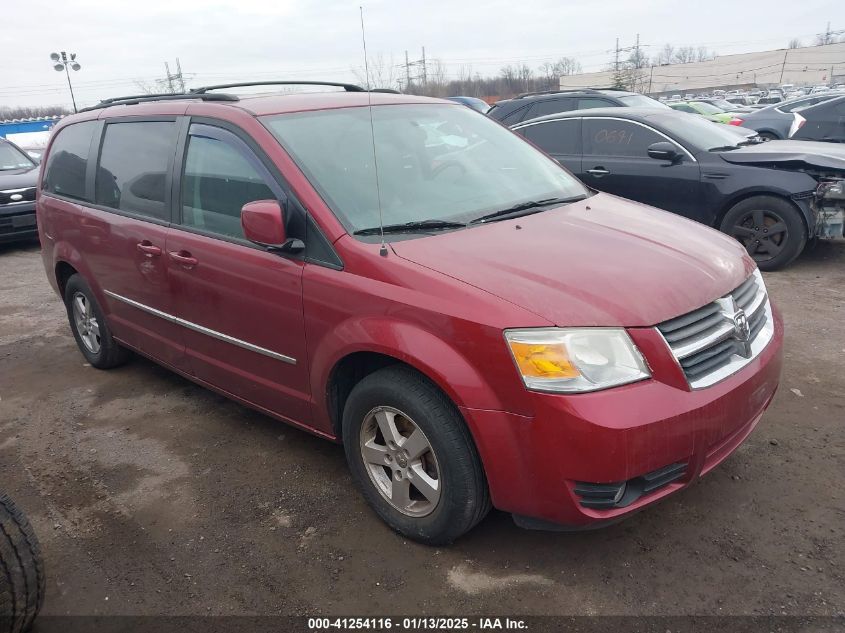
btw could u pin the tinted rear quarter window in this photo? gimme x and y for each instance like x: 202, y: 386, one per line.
x: 514, y: 117
x: 64, y: 173
x: 134, y: 162
x: 592, y: 102
x: 555, y: 137
x: 550, y: 106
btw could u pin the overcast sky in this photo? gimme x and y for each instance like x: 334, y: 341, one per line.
x: 120, y: 43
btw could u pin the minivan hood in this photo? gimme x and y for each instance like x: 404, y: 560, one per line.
x: 809, y: 154
x: 18, y: 178
x: 603, y: 261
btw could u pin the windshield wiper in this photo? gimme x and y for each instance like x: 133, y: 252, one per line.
x: 533, y: 206
x: 410, y: 227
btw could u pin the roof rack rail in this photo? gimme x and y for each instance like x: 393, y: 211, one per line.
x: 552, y: 92
x: 346, y: 87
x: 170, y: 96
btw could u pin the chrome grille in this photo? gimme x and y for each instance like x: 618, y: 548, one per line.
x: 715, y: 341
x: 17, y: 196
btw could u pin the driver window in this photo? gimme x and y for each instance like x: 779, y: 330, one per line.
x: 218, y: 180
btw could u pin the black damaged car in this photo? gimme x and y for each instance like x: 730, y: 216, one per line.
x: 772, y: 196
x: 18, y: 177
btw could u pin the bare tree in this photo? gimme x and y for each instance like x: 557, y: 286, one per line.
x: 794, y: 43
x: 551, y: 72
x: 31, y: 112
x: 383, y: 73
x: 665, y: 56
x: 684, y: 55
x: 704, y: 54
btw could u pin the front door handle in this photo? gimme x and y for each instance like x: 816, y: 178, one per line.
x: 598, y: 172
x: 149, y: 249
x: 183, y: 258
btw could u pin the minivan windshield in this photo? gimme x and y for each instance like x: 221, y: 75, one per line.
x: 436, y: 162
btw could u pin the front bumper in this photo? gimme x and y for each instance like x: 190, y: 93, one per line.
x: 17, y: 222
x: 534, y: 464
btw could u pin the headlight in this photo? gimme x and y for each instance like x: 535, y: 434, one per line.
x: 571, y: 360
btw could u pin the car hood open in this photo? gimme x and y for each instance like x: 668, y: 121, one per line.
x: 603, y: 261
x: 809, y: 154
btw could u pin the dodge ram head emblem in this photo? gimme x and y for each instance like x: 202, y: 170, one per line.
x: 742, y: 332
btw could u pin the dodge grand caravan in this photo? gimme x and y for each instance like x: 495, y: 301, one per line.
x: 415, y: 281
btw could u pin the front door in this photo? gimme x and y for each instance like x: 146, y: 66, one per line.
x: 616, y: 161
x: 240, y: 306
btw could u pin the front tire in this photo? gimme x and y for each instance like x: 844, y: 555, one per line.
x: 22, y: 578
x: 412, y: 456
x: 89, y: 326
x: 770, y: 228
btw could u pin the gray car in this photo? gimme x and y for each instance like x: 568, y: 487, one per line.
x: 778, y: 121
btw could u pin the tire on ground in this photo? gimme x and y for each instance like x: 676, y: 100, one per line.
x: 22, y: 577
x: 740, y: 222
x: 111, y: 353
x: 464, y: 498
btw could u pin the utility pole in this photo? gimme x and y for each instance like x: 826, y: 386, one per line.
x: 783, y: 66
x: 63, y: 63
x: 179, y: 74
x: 421, y: 76
x: 169, y: 77
x: 616, y: 59
x: 424, y: 73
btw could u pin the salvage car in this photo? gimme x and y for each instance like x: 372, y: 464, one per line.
x: 18, y: 177
x: 782, y: 120
x: 536, y: 104
x: 823, y: 122
x: 772, y: 196
x: 408, y: 277
x: 707, y: 111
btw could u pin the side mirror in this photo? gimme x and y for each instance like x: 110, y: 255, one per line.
x: 664, y: 150
x: 263, y: 223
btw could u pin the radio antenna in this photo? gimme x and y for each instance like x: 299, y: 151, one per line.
x: 383, y: 250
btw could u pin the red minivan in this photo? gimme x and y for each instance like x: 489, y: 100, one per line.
x: 408, y: 277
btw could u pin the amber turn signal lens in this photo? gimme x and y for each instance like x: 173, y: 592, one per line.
x: 543, y: 361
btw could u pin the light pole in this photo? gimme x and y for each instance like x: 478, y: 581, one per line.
x: 61, y: 62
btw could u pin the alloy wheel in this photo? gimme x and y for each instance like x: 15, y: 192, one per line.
x: 86, y: 323
x: 400, y: 461
x: 763, y: 232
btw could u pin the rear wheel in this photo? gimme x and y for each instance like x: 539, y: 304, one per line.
x: 22, y: 578
x: 769, y: 136
x: 770, y: 228
x: 89, y: 326
x: 412, y: 456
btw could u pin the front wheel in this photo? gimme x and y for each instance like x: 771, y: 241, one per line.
x: 412, y: 456
x: 770, y: 228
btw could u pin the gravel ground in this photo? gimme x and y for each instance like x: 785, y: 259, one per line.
x: 154, y: 496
